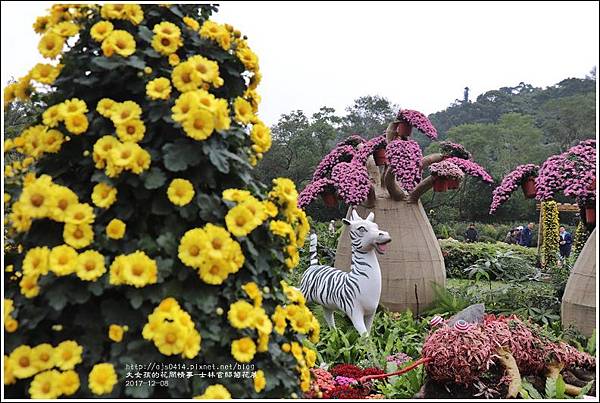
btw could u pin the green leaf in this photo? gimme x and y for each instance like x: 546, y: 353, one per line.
x: 179, y: 155
x: 135, y: 62
x: 560, y: 387
x: 154, y: 178
x: 107, y: 63
x: 145, y: 33
x: 142, y: 391
x: 218, y: 159
x: 591, y: 344
x: 550, y: 388
x: 135, y: 299
x: 168, y: 243
x: 586, y: 389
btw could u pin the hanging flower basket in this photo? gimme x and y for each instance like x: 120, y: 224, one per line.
x: 529, y: 189
x: 404, y: 129
x: 590, y: 214
x: 329, y: 198
x: 440, y: 184
x: 379, y: 157
x: 453, y: 183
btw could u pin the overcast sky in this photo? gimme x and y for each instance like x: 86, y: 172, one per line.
x: 418, y: 55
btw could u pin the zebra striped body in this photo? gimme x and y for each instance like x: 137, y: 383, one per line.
x: 357, y: 292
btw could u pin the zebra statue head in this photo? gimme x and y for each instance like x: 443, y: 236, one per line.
x: 365, y: 234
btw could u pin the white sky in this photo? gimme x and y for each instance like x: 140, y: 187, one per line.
x: 419, y: 55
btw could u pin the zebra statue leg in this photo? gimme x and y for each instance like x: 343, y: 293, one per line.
x: 328, y: 315
x: 358, y: 321
x: 369, y: 321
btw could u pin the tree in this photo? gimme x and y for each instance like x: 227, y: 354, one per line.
x: 368, y: 116
x: 568, y: 120
x: 143, y: 237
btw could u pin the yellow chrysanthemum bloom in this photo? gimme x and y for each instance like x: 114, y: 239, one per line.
x: 139, y: 270
x: 240, y: 220
x: 73, y: 106
x: 214, y: 392
x: 259, y: 381
x: 67, y: 354
x: 101, y: 30
x: 44, y: 73
x: 280, y: 228
x: 199, y: 124
x: 279, y: 319
x: 63, y: 198
x: 119, y: 42
x: 51, y: 45
x: 90, y: 265
x: 43, y: 356
x: 18, y: 218
x: 166, y: 45
x: 29, y: 286
x: 262, y: 323
x: 69, y: 382
x: 215, y: 271
x: 192, y: 345
x: 262, y: 344
x: 78, y: 235
x: 45, y: 385
x: 116, y: 229
x: 105, y: 107
x: 124, y: 111
x: 216, y: 32
x: 8, y: 308
x: 102, y: 378
x: 170, y: 338
x: 261, y: 137
x: 167, y: 29
x: 63, y: 260
x: 141, y: 161
x: 36, y: 261
x: 134, y: 13
x: 243, y: 349
x: 207, y: 70
x: 41, y: 24
x: 185, y: 77
x: 104, y: 195
x: 221, y: 246
x: 52, y: 116
x: 252, y: 290
x: 174, y: 59
x: 191, y: 245
x: 65, y: 29
x: 192, y: 23
x: 102, y: 149
x: 116, y: 270
x: 184, y: 104
x: 284, y: 191
x: 243, y: 111
x: 115, y: 333
x: 241, y: 314
x: 159, y: 88
x: 36, y: 199
x: 132, y: 130
x: 9, y: 377
x: 248, y: 58
x: 123, y: 154
x: 76, y: 124
x: 301, y: 322
x: 180, y: 192
x: 22, y: 358
x: 113, y: 11
x: 52, y: 141
x: 310, y: 356
x: 80, y: 213
x: 236, y: 195
x: 11, y: 325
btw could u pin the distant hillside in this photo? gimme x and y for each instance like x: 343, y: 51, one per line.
x: 523, y: 98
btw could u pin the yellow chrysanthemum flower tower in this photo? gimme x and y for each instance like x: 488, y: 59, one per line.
x: 139, y: 238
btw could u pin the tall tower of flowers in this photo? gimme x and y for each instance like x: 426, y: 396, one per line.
x: 143, y: 258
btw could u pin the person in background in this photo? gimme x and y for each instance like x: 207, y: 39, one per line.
x: 566, y: 240
x: 526, y: 235
x: 512, y: 237
x: 471, y: 234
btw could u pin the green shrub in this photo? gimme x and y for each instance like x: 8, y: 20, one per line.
x: 459, y: 255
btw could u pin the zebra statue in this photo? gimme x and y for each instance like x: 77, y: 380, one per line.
x: 357, y: 292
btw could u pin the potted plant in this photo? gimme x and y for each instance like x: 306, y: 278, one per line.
x: 378, y: 144
x: 446, y: 174
x: 523, y: 175
x: 407, y: 119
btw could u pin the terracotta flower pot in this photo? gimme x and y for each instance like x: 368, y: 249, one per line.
x: 440, y: 184
x: 453, y: 183
x: 404, y: 129
x: 590, y: 214
x: 379, y: 157
x: 529, y: 189
x: 330, y: 199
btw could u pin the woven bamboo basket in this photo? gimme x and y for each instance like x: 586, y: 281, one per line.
x: 579, y: 300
